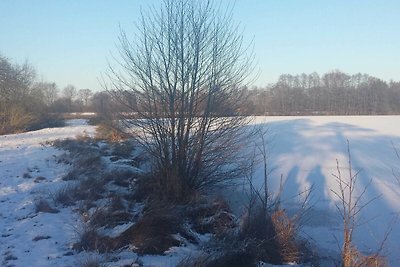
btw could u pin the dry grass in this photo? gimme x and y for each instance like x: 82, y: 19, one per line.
x: 351, y: 203
x: 354, y: 258
x: 226, y: 259
x: 40, y: 237
x: 153, y: 233
x: 66, y: 195
x: 90, y: 261
x: 215, y: 217
x: 39, y: 179
x: 109, y: 132
x: 285, y: 236
x: 42, y: 205
x: 108, y: 217
x: 273, y: 237
x: 90, y: 240
x: 122, y: 149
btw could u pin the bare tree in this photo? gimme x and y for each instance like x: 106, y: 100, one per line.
x: 85, y: 95
x: 69, y: 92
x: 48, y: 91
x: 185, y: 68
x: 18, y: 105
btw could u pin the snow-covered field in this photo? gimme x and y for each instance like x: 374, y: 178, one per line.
x: 301, y: 149
x: 304, y: 151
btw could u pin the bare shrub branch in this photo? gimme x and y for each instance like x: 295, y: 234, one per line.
x: 349, y: 207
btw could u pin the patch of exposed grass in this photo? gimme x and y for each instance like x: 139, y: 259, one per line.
x: 43, y: 205
x: 41, y: 237
x: 39, y: 179
x: 90, y: 240
x: 27, y: 175
x: 90, y: 261
x: 66, y: 195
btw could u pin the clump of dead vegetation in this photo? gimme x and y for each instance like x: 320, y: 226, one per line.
x: 43, y: 205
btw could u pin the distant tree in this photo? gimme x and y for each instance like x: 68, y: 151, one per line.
x: 70, y: 92
x: 85, y: 95
x: 69, y: 95
x: 334, y: 93
x: 185, y: 69
x: 48, y: 91
x: 102, y: 105
x: 18, y: 106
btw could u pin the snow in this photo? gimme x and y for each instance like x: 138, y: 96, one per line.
x: 301, y: 149
x: 304, y: 151
x: 24, y: 157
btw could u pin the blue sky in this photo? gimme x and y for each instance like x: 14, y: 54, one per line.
x: 69, y: 41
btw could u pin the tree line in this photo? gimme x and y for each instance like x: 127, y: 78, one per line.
x: 333, y: 93
x: 27, y: 103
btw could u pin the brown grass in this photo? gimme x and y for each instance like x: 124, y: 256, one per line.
x: 105, y: 131
x: 153, y: 233
x: 44, y: 206
x: 285, y: 235
x: 90, y: 240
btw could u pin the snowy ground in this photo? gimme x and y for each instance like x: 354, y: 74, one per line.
x: 303, y: 149
x: 24, y: 158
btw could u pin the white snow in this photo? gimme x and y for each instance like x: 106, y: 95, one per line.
x: 24, y: 157
x: 302, y: 149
